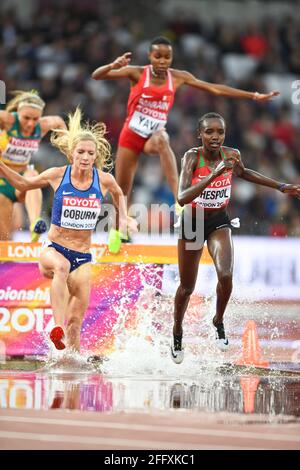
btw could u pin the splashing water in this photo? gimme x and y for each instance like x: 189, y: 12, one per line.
x: 142, y: 339
x: 68, y: 361
x: 140, y: 333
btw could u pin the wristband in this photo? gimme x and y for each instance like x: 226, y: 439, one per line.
x: 256, y: 96
x: 282, y: 187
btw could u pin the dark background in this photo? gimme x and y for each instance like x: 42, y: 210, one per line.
x: 54, y: 46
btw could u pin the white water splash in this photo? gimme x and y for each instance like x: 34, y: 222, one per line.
x: 145, y: 348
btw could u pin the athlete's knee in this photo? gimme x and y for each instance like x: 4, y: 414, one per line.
x: 225, y: 279
x: 186, y: 290
x: 46, y: 272
x: 162, y: 139
x: 61, y: 270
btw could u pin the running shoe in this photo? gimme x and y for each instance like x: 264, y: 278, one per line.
x: 37, y: 228
x: 221, y: 341
x: 115, y: 240
x: 177, y: 351
x: 96, y: 358
x: 57, y: 337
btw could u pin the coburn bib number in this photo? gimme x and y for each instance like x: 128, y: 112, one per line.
x: 80, y: 213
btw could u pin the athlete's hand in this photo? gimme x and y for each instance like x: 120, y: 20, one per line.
x: 127, y: 227
x: 132, y: 226
x: 265, y: 96
x: 231, y: 161
x: 224, y: 165
x: 220, y: 168
x: 291, y: 190
x: 121, y: 61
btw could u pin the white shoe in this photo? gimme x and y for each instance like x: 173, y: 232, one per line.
x: 177, y: 351
x: 221, y: 341
x: 222, y: 344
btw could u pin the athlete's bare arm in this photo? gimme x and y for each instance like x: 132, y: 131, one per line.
x: 257, y: 178
x: 185, y: 78
x: 6, y: 120
x: 188, y: 166
x: 108, y: 183
x: 188, y: 192
x: 51, y: 122
x: 51, y: 177
x: 119, y: 68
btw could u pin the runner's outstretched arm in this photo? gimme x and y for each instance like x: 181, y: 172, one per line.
x: 224, y: 90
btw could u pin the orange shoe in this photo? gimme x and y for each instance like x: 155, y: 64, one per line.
x: 56, y: 336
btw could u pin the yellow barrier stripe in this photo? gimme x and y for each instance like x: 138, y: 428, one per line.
x: 146, y: 254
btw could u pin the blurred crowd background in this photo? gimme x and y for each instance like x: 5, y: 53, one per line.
x: 54, y: 46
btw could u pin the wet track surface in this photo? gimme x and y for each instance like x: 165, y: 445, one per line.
x: 136, y: 398
x: 271, y: 398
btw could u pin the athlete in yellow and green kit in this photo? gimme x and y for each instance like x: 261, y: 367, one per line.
x: 21, y: 129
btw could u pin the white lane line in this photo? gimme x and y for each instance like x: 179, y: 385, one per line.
x: 112, y: 442
x: 151, y: 428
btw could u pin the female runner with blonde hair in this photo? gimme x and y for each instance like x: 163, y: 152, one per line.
x: 21, y: 129
x: 79, y: 189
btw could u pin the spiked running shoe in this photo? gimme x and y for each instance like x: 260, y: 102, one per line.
x: 177, y: 351
x: 115, y: 240
x: 57, y: 336
x: 37, y: 228
x: 221, y: 341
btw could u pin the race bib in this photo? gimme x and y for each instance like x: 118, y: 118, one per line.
x: 20, y: 151
x: 80, y: 213
x: 212, y: 198
x: 145, y: 125
x: 217, y: 194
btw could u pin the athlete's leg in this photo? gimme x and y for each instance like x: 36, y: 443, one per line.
x: 220, y: 247
x: 126, y: 165
x: 6, y: 217
x: 33, y: 199
x: 159, y: 144
x: 55, y: 266
x: 188, y: 262
x: 33, y: 204
x: 79, y: 287
x: 17, y: 217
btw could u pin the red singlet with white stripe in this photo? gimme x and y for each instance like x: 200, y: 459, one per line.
x: 217, y: 194
x: 148, y: 105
